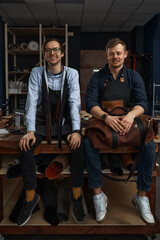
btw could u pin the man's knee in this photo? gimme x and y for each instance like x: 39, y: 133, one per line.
x: 150, y: 145
x: 87, y: 143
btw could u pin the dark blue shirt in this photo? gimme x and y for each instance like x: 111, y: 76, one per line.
x: 135, y: 83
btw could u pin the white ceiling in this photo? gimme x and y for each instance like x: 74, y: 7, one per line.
x: 90, y: 15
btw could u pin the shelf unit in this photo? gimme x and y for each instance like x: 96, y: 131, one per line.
x: 122, y: 218
x: 156, y: 101
x: 15, y: 35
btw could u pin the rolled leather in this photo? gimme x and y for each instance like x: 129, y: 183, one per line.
x: 59, y: 163
x: 13, y: 46
x: 63, y: 200
x: 23, y: 46
x: 115, y: 163
x: 33, y: 46
x: 127, y: 160
x: 49, y: 195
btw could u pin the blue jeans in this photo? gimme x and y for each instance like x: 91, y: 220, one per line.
x: 145, y: 168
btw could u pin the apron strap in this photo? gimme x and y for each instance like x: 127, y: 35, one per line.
x: 45, y: 96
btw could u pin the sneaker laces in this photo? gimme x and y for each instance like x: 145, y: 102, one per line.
x: 97, y: 204
x: 146, y: 205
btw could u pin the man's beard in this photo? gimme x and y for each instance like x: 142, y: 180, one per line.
x: 117, y: 66
x: 54, y: 64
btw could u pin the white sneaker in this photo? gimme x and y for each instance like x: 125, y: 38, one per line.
x: 142, y: 204
x: 100, y: 204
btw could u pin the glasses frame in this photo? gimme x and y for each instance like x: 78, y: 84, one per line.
x: 55, y: 50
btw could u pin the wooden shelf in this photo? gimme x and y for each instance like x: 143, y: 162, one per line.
x: 53, y: 31
x: 23, y: 52
x: 19, y: 72
x: 39, y: 33
x: 23, y: 31
x: 122, y: 214
x: 22, y: 93
x: 65, y: 172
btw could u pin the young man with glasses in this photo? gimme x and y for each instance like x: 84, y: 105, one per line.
x: 52, y: 109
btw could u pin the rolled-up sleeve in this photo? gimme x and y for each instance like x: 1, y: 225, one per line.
x: 32, y: 99
x: 139, y: 92
x: 74, y: 98
x: 92, y: 93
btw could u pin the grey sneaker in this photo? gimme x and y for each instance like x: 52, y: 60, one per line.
x: 100, y: 203
x: 143, y: 206
x: 26, y: 210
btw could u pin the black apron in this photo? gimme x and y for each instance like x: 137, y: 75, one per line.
x: 116, y: 90
x: 60, y: 125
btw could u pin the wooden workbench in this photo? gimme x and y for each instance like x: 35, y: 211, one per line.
x: 122, y: 216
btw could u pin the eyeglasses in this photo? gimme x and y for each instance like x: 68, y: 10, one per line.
x: 55, y: 50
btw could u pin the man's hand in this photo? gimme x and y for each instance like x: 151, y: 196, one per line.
x: 127, y: 121
x: 121, y: 124
x: 115, y: 123
x: 24, y: 141
x: 74, y: 140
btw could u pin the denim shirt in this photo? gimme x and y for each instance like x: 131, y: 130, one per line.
x: 34, y: 96
x: 135, y: 83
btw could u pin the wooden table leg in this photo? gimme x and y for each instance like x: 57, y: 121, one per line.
x: 152, y: 195
x: 1, y: 199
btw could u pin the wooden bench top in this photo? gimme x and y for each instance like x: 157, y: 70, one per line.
x: 9, y: 145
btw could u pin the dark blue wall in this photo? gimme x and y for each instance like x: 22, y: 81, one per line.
x: 98, y: 41
x: 2, y: 63
x: 137, y: 45
x: 152, y: 46
x: 74, y: 48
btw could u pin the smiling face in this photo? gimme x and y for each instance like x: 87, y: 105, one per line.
x: 53, y: 54
x: 116, y: 56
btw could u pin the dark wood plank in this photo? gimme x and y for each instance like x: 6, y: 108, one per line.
x: 1, y: 199
x: 79, y: 229
x: 152, y: 195
x: 9, y: 145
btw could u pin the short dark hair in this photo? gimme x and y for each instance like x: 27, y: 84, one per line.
x: 51, y: 40
x: 114, y: 42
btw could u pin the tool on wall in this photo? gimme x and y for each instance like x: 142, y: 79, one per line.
x: 5, y: 107
x: 146, y: 69
x: 133, y: 61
